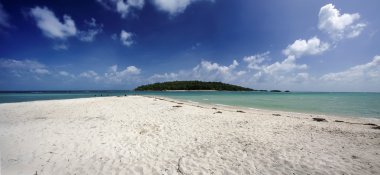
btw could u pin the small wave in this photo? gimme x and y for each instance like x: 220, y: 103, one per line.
x: 222, y: 104
x: 192, y: 101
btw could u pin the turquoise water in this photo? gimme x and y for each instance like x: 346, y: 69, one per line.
x: 344, y: 104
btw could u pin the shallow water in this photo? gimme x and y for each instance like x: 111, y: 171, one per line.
x: 336, y: 103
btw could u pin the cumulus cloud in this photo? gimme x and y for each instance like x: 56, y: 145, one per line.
x: 301, y: 47
x: 338, y: 25
x: 63, y: 73
x: 41, y: 71
x: 213, y: 71
x: 279, y: 72
x: 23, y: 67
x: 174, y: 7
x: 90, y: 74
x: 254, y: 61
x: 113, y: 75
x: 301, y: 77
x: 90, y: 34
x: 116, y: 76
x: 206, y: 71
x: 164, y: 77
x: 363, y: 77
x: 51, y: 26
x: 288, y: 70
x: 251, y: 74
x: 133, y: 70
x: 123, y: 7
x: 286, y: 66
x: 367, y: 72
x: 126, y: 38
x: 4, y: 17
x: 255, y: 72
x: 66, y: 74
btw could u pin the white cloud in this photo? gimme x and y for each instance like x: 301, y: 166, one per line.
x: 276, y: 74
x: 337, y: 25
x: 206, y: 71
x: 20, y: 64
x: 279, y: 71
x: 90, y: 34
x: 356, y: 30
x: 255, y: 73
x: 301, y: 77
x: 41, y: 71
x: 240, y: 73
x: 51, y: 26
x: 208, y: 66
x: 115, y: 76
x: 286, y: 66
x: 164, y: 77
x: 133, y: 70
x: 63, y: 73
x: 90, y: 75
x: 4, y: 17
x: 66, y: 74
x: 301, y: 47
x: 173, y: 7
x: 123, y: 7
x: 255, y: 60
x: 126, y: 38
x: 24, y: 67
x: 367, y: 72
x: 213, y: 71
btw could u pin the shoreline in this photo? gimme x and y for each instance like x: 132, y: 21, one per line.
x: 159, y: 135
x: 209, y: 104
x: 261, y: 109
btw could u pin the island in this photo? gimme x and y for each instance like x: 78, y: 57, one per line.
x: 275, y: 91
x: 191, y: 85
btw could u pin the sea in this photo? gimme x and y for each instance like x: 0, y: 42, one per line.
x: 352, y: 104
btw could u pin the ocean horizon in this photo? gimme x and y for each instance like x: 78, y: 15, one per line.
x: 349, y: 104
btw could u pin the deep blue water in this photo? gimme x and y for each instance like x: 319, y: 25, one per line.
x: 10, y: 97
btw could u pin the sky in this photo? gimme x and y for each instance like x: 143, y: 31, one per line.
x: 297, y: 45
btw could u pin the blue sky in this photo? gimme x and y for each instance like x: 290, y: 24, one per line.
x: 119, y: 44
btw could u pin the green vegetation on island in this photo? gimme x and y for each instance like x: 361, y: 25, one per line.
x: 191, y: 85
x: 275, y: 91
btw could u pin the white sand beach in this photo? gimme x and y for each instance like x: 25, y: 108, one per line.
x: 147, y: 135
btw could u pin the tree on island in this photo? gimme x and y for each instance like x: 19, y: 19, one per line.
x: 191, y: 85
